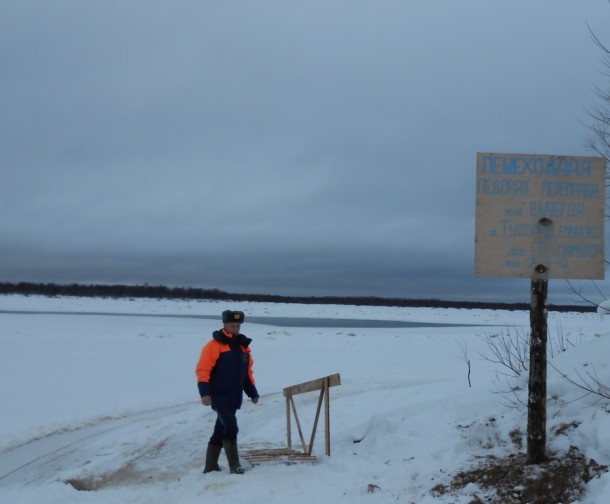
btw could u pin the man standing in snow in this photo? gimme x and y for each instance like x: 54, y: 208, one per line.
x: 224, y: 373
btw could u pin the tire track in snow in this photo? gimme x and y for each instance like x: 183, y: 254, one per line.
x: 33, y: 457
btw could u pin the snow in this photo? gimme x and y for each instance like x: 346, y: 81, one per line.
x: 604, y: 307
x: 111, y: 401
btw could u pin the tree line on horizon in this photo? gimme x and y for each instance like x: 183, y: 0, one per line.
x: 164, y: 292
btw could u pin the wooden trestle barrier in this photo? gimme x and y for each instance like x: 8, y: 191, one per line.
x: 289, y: 454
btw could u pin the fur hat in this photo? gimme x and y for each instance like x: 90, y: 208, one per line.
x: 233, y: 317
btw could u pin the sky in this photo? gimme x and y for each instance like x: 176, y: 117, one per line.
x: 300, y: 148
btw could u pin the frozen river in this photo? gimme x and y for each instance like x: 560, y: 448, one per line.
x: 272, y: 321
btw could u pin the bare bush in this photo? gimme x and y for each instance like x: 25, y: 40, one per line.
x: 466, y: 359
x: 589, y: 382
x: 511, y: 351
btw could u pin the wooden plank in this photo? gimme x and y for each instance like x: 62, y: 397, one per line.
x: 296, y: 417
x: 302, y: 458
x: 315, y: 423
x: 277, y: 455
x: 327, y: 417
x: 272, y: 451
x: 313, y: 385
x: 264, y: 457
x: 288, y: 423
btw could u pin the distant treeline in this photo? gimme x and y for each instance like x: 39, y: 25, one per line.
x: 162, y: 292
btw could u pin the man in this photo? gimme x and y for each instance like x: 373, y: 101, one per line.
x: 224, y: 373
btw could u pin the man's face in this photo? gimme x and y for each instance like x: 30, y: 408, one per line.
x: 232, y: 328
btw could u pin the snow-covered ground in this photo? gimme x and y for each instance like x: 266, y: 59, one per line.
x: 110, y: 402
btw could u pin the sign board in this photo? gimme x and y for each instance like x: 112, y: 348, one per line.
x: 539, y: 215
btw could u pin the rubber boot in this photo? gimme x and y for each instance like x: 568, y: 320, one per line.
x: 211, y: 458
x: 232, y: 456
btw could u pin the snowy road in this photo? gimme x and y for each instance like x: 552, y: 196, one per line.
x: 47, y: 457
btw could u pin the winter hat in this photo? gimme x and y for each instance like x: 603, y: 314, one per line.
x: 235, y: 317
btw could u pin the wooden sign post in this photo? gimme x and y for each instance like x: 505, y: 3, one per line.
x: 539, y: 217
x: 536, y: 404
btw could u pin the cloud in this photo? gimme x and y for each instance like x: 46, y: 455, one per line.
x: 324, y: 146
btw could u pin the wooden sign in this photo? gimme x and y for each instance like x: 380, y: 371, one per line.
x: 540, y: 215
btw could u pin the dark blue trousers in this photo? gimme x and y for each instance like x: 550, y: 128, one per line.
x: 226, y: 425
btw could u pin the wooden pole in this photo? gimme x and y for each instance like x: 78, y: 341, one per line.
x: 296, y: 419
x: 315, y: 422
x: 536, y: 406
x: 288, y: 422
x: 327, y: 416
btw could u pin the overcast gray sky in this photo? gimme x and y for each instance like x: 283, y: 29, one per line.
x: 317, y: 147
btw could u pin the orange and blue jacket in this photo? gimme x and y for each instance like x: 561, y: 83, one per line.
x: 224, y: 370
